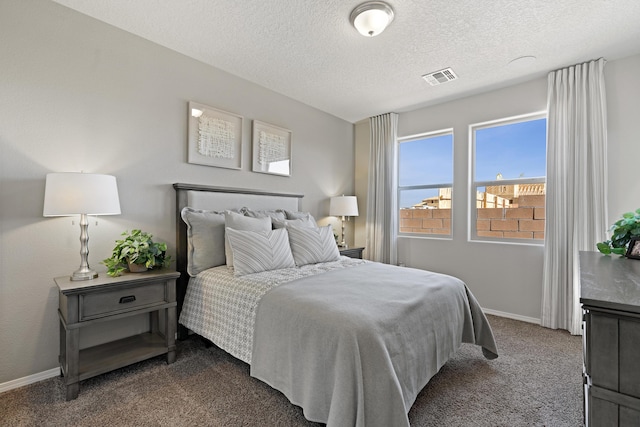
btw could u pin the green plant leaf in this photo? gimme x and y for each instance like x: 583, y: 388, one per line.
x: 619, y: 251
x: 622, y: 231
x: 137, y: 247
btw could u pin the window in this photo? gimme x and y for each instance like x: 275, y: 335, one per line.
x: 425, y: 177
x: 509, y: 173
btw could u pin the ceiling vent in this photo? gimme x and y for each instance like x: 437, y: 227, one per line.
x: 439, y: 77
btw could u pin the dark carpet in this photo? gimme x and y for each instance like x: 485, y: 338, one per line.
x: 536, y: 381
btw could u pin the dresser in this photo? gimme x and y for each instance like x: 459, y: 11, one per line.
x: 83, y: 303
x: 610, y: 298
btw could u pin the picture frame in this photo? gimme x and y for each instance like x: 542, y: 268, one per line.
x: 271, y: 149
x: 633, y: 250
x: 215, y: 137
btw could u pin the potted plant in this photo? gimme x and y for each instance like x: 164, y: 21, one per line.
x: 623, y: 231
x: 136, y: 252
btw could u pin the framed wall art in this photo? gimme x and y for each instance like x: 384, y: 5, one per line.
x: 633, y: 251
x: 215, y: 137
x: 271, y: 149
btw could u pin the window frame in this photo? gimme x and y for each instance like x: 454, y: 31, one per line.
x: 400, y: 189
x: 472, y: 232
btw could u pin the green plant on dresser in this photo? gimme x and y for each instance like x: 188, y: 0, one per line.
x: 623, y: 231
x: 136, y: 252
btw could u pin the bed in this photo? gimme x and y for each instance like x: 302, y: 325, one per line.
x: 350, y: 341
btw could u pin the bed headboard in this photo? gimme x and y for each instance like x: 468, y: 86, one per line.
x: 218, y: 199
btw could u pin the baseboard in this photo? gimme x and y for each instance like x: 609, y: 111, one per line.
x: 21, y: 382
x: 512, y: 316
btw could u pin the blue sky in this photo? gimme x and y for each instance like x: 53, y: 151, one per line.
x: 514, y: 150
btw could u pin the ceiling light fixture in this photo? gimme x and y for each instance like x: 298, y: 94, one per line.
x: 371, y: 18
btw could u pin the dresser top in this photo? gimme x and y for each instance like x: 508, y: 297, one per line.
x: 610, y: 281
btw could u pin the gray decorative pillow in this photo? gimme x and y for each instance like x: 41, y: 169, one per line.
x: 240, y: 222
x: 301, y: 222
x: 205, y: 239
x: 300, y: 215
x: 312, y: 245
x: 273, y: 214
x: 256, y: 251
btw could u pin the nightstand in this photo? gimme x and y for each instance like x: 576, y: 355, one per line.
x: 83, y: 303
x: 351, y: 252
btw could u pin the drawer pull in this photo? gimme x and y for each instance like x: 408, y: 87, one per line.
x: 130, y: 298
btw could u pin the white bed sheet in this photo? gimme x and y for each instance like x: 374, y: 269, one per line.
x: 222, y: 307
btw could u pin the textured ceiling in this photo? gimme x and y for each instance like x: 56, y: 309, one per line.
x: 308, y: 50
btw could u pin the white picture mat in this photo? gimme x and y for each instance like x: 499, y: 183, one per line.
x: 215, y: 138
x: 271, y: 149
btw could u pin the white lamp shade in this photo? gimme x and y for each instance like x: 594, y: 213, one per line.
x: 80, y: 193
x: 343, y: 206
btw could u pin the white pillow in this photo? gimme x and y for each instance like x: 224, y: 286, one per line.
x: 312, y: 245
x: 301, y: 215
x: 273, y: 214
x: 301, y: 222
x: 240, y: 222
x: 256, y: 251
x: 205, y: 239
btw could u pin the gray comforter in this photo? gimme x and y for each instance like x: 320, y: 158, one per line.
x: 354, y: 347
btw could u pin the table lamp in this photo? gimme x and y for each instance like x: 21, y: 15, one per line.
x: 345, y: 207
x: 68, y: 194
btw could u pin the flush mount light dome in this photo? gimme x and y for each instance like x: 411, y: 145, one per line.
x: 371, y: 18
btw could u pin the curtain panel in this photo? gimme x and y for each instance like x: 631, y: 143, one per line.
x: 382, y: 212
x: 576, y: 215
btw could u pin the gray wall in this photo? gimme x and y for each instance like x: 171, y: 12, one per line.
x: 507, y: 278
x: 623, y: 115
x: 79, y: 95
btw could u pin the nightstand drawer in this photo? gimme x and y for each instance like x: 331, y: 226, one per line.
x: 352, y: 252
x: 99, y: 304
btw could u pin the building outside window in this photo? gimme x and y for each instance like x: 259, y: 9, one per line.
x: 508, y: 169
x: 425, y: 179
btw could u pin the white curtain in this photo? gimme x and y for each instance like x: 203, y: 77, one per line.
x: 382, y: 212
x: 576, y: 215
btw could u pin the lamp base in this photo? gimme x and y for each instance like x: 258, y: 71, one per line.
x: 343, y: 243
x: 84, y: 272
x: 83, y: 275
